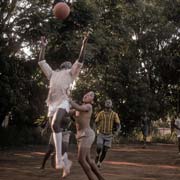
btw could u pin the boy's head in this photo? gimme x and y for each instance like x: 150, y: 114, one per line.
x: 88, y: 97
x: 108, y: 103
x: 66, y: 65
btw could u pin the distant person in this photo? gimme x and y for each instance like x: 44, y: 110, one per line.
x: 177, y: 127
x: 85, y: 136
x: 145, y: 129
x: 105, y: 121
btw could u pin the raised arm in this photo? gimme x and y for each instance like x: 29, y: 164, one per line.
x: 76, y: 67
x: 43, y: 48
x: 84, y: 108
x: 42, y: 62
x: 117, y: 124
x: 83, y: 47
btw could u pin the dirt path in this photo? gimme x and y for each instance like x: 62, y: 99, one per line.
x: 124, y: 162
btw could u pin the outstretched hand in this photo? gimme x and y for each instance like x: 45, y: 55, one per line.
x: 44, y: 41
x: 86, y: 36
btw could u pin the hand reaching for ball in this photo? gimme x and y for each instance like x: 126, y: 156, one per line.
x: 86, y: 36
x: 44, y: 41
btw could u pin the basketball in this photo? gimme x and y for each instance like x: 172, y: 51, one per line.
x: 61, y: 10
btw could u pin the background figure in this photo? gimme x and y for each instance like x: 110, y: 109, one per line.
x: 65, y: 143
x: 145, y: 128
x: 105, y: 121
x: 59, y: 91
x: 177, y: 127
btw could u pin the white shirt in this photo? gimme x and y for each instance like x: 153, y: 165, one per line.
x: 177, y: 123
x: 60, y: 82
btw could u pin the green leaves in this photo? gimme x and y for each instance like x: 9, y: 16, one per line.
x: 132, y: 55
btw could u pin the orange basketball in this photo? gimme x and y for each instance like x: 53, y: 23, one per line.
x: 61, y: 10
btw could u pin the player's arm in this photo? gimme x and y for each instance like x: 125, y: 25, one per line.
x: 42, y: 62
x: 117, y: 123
x: 76, y: 67
x: 83, y: 47
x: 72, y: 112
x: 84, y: 108
x: 43, y: 48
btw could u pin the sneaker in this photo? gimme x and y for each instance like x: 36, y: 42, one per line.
x: 98, y: 164
x: 66, y: 169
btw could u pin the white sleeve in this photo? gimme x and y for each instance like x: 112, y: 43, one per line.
x: 76, y: 68
x: 47, y: 70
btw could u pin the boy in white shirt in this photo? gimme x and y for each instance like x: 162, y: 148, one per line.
x: 58, y: 96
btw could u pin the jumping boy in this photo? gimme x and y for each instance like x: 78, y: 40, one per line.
x: 85, y: 136
x: 59, y: 90
x: 65, y: 143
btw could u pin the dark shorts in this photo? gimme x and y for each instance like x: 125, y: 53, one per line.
x: 104, y: 139
x: 65, y: 137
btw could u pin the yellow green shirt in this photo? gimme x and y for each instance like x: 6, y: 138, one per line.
x: 105, y: 121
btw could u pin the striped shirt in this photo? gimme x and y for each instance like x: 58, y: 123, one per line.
x: 106, y: 120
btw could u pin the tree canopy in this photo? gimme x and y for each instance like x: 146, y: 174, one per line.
x: 132, y: 57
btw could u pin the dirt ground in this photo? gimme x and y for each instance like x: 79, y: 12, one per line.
x: 123, y: 162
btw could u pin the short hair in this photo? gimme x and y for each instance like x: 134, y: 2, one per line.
x: 66, y: 65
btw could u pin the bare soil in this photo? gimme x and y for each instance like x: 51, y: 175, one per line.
x: 123, y: 162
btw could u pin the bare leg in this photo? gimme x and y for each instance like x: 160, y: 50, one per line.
x: 53, y: 158
x: 67, y: 162
x: 65, y: 146
x: 93, y: 166
x: 82, y: 158
x: 103, y: 154
x: 58, y: 120
x: 98, y: 151
x: 47, y: 155
x: 57, y: 135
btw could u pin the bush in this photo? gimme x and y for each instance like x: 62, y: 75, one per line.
x: 168, y: 138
